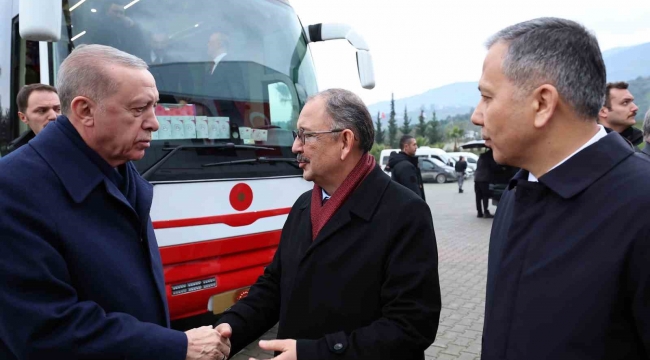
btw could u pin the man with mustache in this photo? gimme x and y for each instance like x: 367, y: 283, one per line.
x: 619, y: 112
x: 568, y: 270
x: 355, y: 275
x: 80, y: 268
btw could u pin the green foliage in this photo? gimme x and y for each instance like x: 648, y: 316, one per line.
x: 376, y: 150
x: 392, y: 125
x: 433, y: 133
x: 640, y: 89
x: 455, y: 134
x: 406, y: 126
x: 422, y: 126
x: 421, y: 141
x: 379, y: 133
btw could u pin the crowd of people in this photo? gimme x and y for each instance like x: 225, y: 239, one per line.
x: 355, y: 275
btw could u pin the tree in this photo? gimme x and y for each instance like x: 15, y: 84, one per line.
x: 392, y: 125
x: 422, y: 126
x: 421, y: 141
x: 406, y: 127
x: 379, y: 133
x: 455, y: 134
x: 433, y: 130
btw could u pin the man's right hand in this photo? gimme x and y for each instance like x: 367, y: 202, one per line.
x: 207, y: 343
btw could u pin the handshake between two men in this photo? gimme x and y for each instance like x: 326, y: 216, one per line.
x: 207, y: 342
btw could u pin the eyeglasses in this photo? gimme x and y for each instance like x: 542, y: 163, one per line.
x: 302, y: 134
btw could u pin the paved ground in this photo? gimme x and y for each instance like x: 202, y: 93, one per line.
x: 462, y: 254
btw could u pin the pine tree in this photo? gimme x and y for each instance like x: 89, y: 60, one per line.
x: 379, y: 133
x: 433, y: 130
x: 406, y: 127
x: 392, y: 124
x: 422, y: 126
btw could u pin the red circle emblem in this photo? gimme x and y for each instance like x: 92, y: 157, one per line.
x: 241, y: 197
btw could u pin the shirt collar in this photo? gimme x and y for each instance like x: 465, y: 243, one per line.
x: 584, y: 168
x: 325, y: 194
x: 599, y: 135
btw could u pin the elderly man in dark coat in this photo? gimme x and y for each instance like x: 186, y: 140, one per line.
x: 568, y: 267
x: 80, y: 271
x: 351, y: 279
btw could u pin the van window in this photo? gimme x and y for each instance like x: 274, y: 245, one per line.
x: 471, y: 160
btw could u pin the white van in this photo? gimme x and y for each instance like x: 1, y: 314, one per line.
x: 434, y: 153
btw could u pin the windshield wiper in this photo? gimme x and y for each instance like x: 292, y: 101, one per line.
x: 262, y: 159
x: 172, y: 150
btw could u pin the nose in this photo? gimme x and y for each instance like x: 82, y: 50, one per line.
x: 634, y: 107
x: 52, y: 114
x: 296, y: 148
x: 477, y: 117
x: 151, y: 122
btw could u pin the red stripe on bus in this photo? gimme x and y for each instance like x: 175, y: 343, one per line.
x: 233, y: 220
x: 207, y: 249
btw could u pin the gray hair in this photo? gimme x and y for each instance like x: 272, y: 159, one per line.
x: 646, y: 126
x: 559, y: 52
x: 347, y: 111
x: 83, y: 73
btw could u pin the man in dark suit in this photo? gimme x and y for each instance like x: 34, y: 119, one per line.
x: 38, y: 105
x: 568, y: 270
x: 619, y: 112
x: 80, y: 268
x: 353, y: 276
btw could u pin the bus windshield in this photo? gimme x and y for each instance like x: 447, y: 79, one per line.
x: 228, y: 72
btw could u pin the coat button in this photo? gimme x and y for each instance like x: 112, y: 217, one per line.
x: 338, y: 346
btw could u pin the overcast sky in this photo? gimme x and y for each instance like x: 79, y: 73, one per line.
x: 418, y: 45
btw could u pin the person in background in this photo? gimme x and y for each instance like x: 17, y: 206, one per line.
x: 482, y: 176
x: 38, y: 105
x: 460, y: 167
x: 619, y: 112
x: 646, y: 133
x: 404, y: 168
x: 568, y: 272
x: 355, y: 275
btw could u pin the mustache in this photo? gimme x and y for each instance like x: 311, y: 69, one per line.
x: 302, y: 159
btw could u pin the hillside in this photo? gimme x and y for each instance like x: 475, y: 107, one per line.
x: 623, y: 64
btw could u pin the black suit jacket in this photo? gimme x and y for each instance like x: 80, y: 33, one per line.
x: 366, y: 288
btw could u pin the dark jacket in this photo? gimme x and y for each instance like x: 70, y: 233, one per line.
x: 485, y: 167
x: 20, y: 141
x: 80, y: 270
x: 568, y: 269
x: 633, y: 135
x: 461, y: 166
x: 366, y: 288
x: 404, y: 170
x: 646, y: 148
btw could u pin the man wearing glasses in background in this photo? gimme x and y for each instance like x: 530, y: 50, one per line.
x: 350, y: 278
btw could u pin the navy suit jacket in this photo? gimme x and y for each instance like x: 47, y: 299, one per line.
x: 80, y: 271
x: 569, y: 262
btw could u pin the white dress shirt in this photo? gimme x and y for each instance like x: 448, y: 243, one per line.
x: 599, y: 135
x: 216, y: 61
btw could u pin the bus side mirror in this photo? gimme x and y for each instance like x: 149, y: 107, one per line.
x: 40, y: 20
x: 334, y: 31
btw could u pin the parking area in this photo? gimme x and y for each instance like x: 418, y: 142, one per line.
x: 462, y: 254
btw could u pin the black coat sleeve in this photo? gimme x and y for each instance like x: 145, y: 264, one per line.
x: 639, y: 273
x: 259, y: 311
x: 406, y: 174
x: 410, y: 295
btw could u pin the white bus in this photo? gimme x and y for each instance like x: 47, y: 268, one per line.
x: 221, y: 164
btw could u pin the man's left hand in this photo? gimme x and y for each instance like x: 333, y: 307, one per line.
x: 287, y: 347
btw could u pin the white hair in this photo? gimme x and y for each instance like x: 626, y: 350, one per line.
x: 83, y: 73
x: 646, y: 126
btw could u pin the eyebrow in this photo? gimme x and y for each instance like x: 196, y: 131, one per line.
x: 628, y: 99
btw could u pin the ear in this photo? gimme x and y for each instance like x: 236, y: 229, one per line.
x: 83, y: 109
x: 602, y: 113
x: 23, y: 118
x: 347, y: 143
x: 545, y: 102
